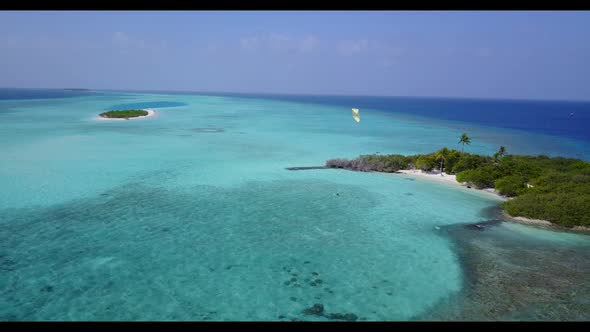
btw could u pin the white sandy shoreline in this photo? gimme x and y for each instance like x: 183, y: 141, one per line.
x: 451, y: 179
x: 150, y: 111
x: 546, y: 224
x: 448, y: 179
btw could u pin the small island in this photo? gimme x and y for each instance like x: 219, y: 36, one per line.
x: 126, y: 114
x: 537, y: 190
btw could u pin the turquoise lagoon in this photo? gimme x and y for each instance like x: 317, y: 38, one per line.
x: 191, y: 215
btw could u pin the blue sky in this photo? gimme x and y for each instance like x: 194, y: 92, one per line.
x: 503, y: 54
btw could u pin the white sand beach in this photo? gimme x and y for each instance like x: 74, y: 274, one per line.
x: 528, y: 221
x: 447, y: 178
x: 545, y: 224
x: 451, y: 179
x: 151, y: 113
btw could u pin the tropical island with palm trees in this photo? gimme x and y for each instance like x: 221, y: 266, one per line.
x: 126, y: 114
x: 555, y: 191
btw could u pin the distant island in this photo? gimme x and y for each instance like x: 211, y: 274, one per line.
x: 126, y: 114
x: 77, y: 89
x: 539, y: 189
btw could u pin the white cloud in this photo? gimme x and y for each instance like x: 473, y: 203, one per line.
x: 43, y: 43
x: 309, y: 44
x: 352, y: 47
x: 127, y: 43
x: 279, y: 43
x: 120, y: 39
x: 373, y: 47
x: 383, y: 54
x: 249, y: 44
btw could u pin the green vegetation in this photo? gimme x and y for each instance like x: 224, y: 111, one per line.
x: 124, y: 114
x: 511, y: 185
x: 501, y: 152
x: 553, y: 189
x: 372, y: 163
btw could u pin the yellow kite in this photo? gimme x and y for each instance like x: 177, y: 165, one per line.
x: 356, y: 115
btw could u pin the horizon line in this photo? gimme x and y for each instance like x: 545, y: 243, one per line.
x: 304, y: 94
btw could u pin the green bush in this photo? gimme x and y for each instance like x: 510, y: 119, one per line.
x: 451, y: 159
x: 510, y: 185
x: 524, y: 167
x: 483, y: 177
x: 566, y: 209
x: 125, y: 114
x: 411, y: 160
x: 427, y: 162
x: 371, y: 163
x: 468, y: 161
x: 580, y: 165
x: 396, y: 162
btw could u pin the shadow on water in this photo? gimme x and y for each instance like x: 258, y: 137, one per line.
x: 510, y: 276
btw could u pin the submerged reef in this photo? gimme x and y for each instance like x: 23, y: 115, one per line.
x: 508, y: 278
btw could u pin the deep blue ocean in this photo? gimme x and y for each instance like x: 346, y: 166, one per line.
x: 16, y: 93
x: 559, y: 118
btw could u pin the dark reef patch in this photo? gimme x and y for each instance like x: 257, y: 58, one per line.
x: 346, y: 317
x: 509, y: 276
x: 6, y: 264
x: 47, y: 289
x: 317, y: 310
x: 483, y: 225
x: 100, y: 239
x: 493, y: 212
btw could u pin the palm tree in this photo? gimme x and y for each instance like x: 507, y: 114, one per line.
x: 464, y: 140
x: 501, y: 152
x: 442, y: 156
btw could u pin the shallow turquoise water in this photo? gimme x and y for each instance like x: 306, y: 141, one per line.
x: 191, y: 214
